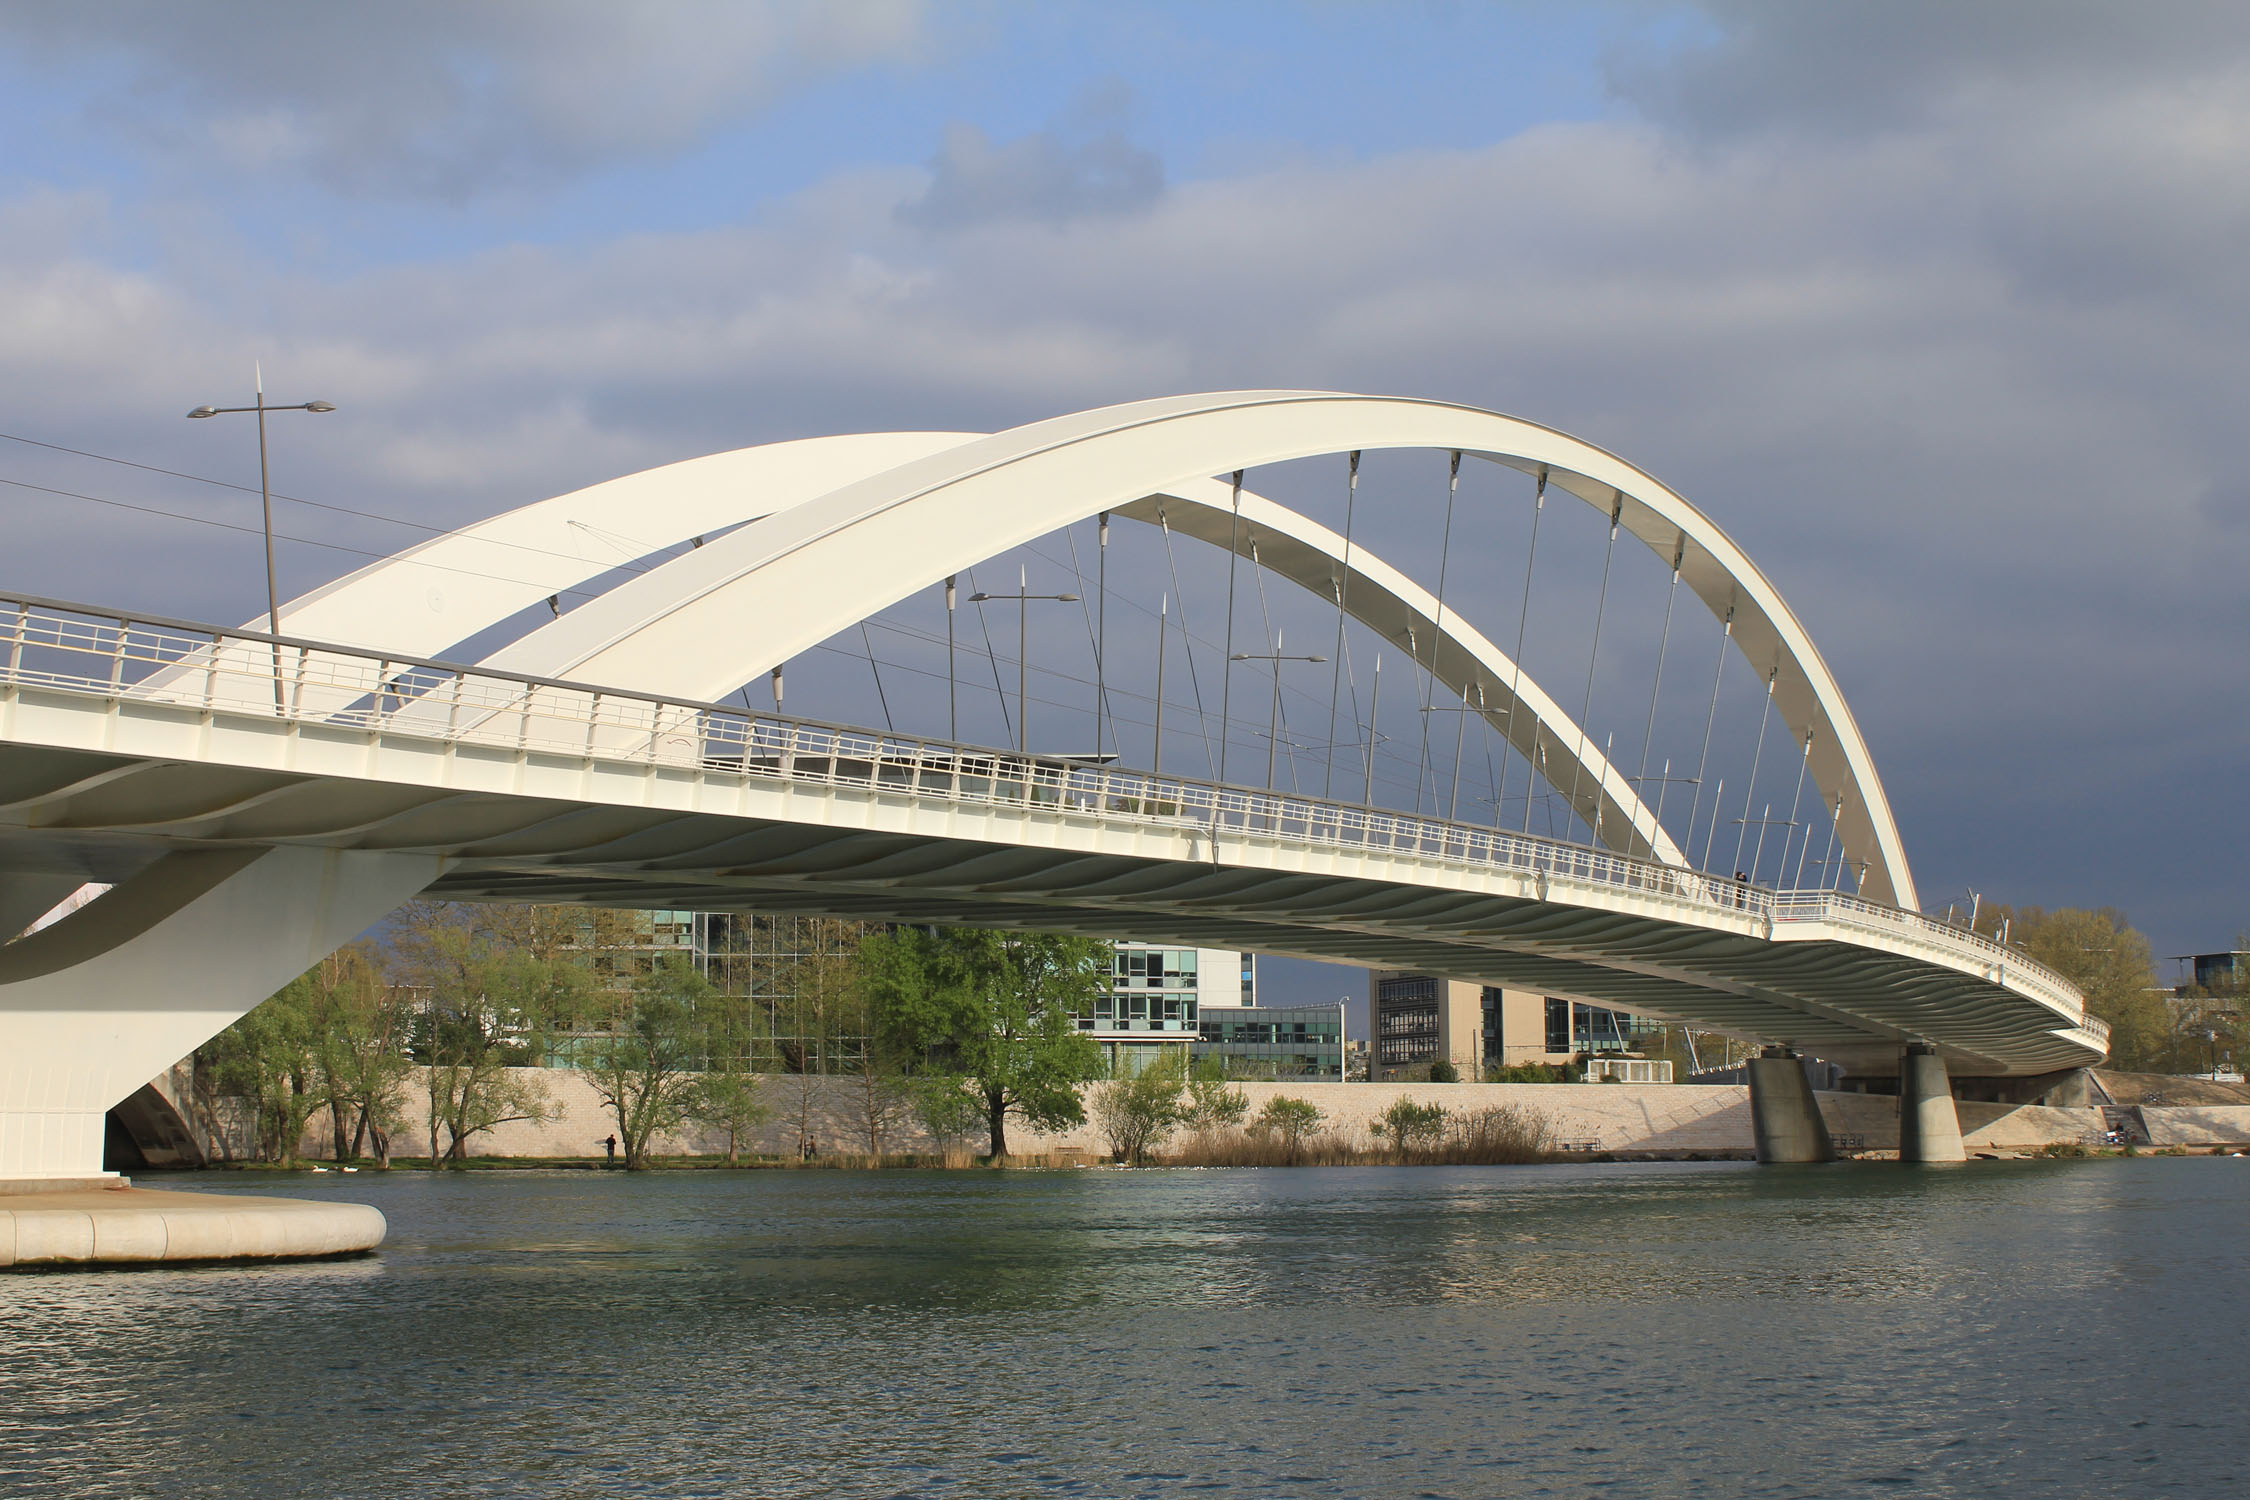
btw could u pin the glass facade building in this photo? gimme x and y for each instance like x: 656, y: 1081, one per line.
x: 1156, y: 998
x: 1273, y: 1041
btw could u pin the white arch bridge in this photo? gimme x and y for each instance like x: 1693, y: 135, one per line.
x: 253, y: 801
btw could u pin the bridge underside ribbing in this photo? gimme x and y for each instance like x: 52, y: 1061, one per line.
x: 889, y: 858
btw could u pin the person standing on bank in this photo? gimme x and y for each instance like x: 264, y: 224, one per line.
x: 610, y: 1144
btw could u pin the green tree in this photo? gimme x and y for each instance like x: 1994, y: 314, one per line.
x: 2101, y: 953
x: 270, y: 1058
x: 360, y: 1035
x: 491, y: 1004
x: 997, y: 1011
x: 725, y: 1095
x: 643, y: 1068
x: 1137, y: 1113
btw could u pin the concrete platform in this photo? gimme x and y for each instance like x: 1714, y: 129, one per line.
x: 118, y: 1224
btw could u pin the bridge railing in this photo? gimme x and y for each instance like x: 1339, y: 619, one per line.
x: 59, y: 645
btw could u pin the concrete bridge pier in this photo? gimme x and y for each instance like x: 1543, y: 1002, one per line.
x: 1785, y: 1118
x: 1929, y: 1128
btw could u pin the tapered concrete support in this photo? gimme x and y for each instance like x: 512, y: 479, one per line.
x: 113, y: 994
x: 1785, y: 1119
x: 1929, y: 1128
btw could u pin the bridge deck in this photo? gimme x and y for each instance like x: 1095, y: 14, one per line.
x: 120, y: 739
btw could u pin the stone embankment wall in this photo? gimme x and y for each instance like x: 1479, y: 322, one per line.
x: 1660, y: 1118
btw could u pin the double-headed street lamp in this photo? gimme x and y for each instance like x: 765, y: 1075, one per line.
x: 265, y: 485
x: 1023, y: 600
x: 1273, y: 717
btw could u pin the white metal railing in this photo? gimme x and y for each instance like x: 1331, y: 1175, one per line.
x: 73, y: 648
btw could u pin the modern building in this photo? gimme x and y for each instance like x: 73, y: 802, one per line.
x: 2217, y: 973
x: 1418, y: 1020
x: 1157, y: 995
x: 1274, y: 1041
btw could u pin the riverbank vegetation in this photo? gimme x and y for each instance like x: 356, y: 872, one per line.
x: 958, y: 1030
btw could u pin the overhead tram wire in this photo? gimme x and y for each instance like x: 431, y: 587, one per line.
x: 251, y: 489
x: 307, y: 541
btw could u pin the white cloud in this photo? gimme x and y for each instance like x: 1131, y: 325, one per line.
x: 1963, y: 379
x: 431, y: 98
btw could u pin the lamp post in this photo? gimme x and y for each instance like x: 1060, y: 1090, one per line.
x: 266, y: 493
x: 1023, y: 599
x: 1273, y: 716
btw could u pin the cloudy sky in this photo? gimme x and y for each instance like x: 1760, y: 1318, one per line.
x: 1938, y: 308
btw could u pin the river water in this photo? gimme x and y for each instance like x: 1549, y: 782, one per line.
x: 2019, y: 1329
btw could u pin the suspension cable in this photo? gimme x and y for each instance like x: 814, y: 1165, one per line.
x: 1101, y: 635
x: 1187, y: 640
x: 1343, y: 578
x: 1007, y: 723
x: 1835, y: 825
x: 1265, y: 622
x: 1515, y: 689
x: 1757, y: 754
x: 1594, y: 656
x: 1226, y: 673
x: 1437, y: 627
x: 1797, y: 883
x: 868, y: 641
x: 1663, y: 644
x: 1703, y: 763
x: 1789, y: 829
x: 1093, y: 633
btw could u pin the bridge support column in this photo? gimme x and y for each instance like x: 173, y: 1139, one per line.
x: 1929, y: 1128
x: 107, y: 998
x: 1784, y: 1116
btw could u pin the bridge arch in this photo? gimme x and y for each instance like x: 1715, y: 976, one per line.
x: 804, y: 573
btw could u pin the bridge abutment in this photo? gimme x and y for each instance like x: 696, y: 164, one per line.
x: 1785, y: 1121
x: 1929, y: 1127
x: 94, y: 1006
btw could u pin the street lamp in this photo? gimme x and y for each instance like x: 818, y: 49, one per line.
x: 265, y: 491
x: 1273, y: 716
x: 1023, y: 600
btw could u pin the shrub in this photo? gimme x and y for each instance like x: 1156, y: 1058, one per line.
x: 1411, y: 1126
x: 1137, y: 1113
x: 1444, y: 1072
x: 1212, y: 1105
x: 1289, y: 1123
